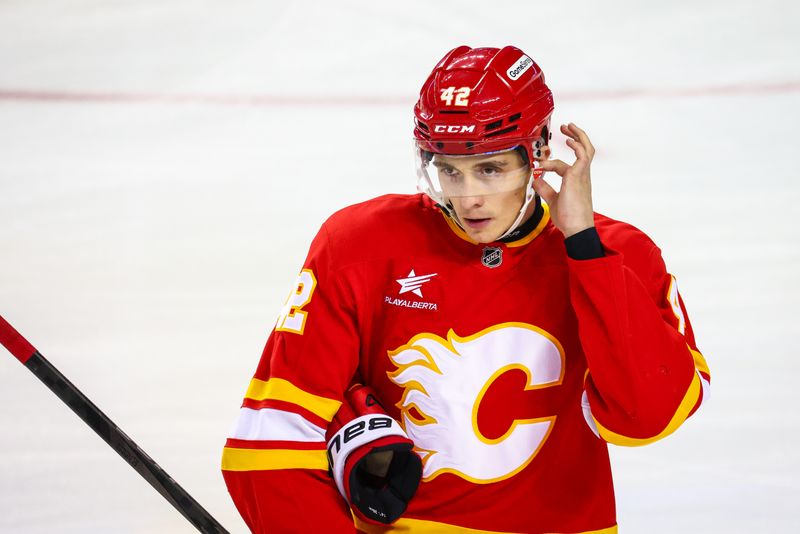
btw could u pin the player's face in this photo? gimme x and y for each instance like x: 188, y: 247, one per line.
x: 485, y: 212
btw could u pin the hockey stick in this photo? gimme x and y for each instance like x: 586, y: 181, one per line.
x: 22, y: 350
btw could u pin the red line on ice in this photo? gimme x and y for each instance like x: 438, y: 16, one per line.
x: 341, y: 100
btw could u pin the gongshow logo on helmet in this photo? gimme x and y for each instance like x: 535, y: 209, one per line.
x: 472, y: 405
x: 518, y: 69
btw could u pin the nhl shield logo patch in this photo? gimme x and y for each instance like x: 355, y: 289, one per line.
x: 492, y: 257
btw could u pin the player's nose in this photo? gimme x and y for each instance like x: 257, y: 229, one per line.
x: 472, y: 192
x: 471, y: 201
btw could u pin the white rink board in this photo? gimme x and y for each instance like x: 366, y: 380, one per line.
x: 156, y: 205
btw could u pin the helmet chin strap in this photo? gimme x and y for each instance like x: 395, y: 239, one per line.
x: 529, y: 196
x: 451, y: 212
x: 447, y: 205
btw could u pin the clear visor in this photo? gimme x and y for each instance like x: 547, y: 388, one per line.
x: 446, y: 176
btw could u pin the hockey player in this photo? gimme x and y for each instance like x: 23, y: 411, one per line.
x: 496, y: 323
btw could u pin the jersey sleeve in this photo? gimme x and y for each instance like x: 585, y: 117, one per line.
x: 645, y: 374
x: 274, y: 461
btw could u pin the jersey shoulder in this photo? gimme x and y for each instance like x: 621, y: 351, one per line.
x: 372, y: 215
x: 378, y: 228
x: 638, y: 250
x: 621, y: 236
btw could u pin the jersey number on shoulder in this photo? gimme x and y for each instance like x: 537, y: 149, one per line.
x: 674, y: 301
x: 292, y: 317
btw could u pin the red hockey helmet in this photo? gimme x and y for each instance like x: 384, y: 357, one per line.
x: 480, y: 100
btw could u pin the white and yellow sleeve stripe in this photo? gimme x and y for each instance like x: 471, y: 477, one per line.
x: 240, y: 459
x: 681, y: 414
x: 298, y: 442
x: 698, y: 390
x: 702, y: 372
x: 282, y: 390
x: 420, y: 526
x: 269, y: 424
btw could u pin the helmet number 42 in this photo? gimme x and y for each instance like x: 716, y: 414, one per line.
x: 460, y: 95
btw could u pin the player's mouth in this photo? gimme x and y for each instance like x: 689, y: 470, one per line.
x: 477, y: 223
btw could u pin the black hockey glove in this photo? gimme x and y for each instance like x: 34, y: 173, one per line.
x: 371, y: 459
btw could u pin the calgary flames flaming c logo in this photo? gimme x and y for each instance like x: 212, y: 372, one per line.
x: 445, y: 381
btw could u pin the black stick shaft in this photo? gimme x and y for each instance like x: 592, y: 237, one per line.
x: 108, y: 431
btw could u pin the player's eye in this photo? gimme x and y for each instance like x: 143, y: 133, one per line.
x: 449, y: 172
x: 489, y: 171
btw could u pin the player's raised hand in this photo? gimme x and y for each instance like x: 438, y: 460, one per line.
x: 570, y: 206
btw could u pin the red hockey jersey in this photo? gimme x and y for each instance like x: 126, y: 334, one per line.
x: 510, y: 366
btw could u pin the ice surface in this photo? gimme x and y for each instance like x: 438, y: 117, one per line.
x: 164, y: 166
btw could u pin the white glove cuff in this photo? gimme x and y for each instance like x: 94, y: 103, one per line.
x: 355, y: 434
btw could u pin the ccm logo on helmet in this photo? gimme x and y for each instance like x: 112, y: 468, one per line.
x: 517, y: 69
x: 450, y: 128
